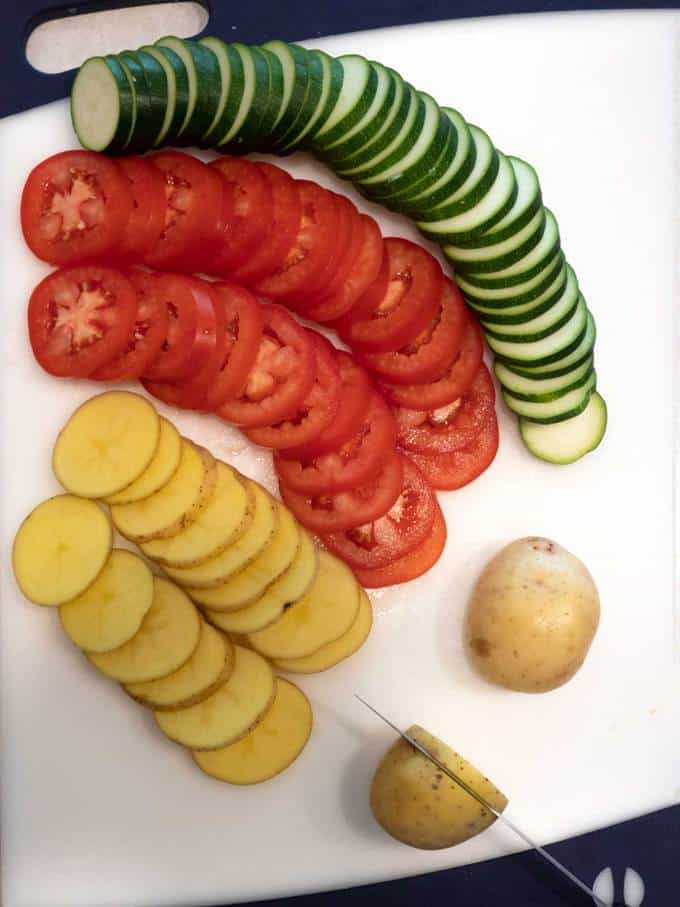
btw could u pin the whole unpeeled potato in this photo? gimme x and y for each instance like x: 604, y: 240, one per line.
x: 532, y: 616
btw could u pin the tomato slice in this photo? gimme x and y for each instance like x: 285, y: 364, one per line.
x: 408, y: 306
x: 405, y: 525
x: 450, y: 471
x: 430, y: 355
x: 411, y: 565
x: 79, y: 318
x: 281, y: 377
x: 355, y: 391
x: 148, y: 334
x: 452, y: 385
x: 349, y: 509
x: 242, y: 334
x: 356, y: 462
x: 174, y: 292
x: 338, y: 265
x: 74, y: 207
x: 314, y: 413
x: 148, y: 208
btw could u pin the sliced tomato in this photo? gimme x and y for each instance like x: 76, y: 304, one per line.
x: 174, y: 292
x: 337, y: 266
x: 349, y: 509
x: 430, y: 355
x: 454, y: 470
x: 281, y: 377
x: 271, y: 252
x: 148, y: 208
x: 355, y: 391
x: 243, y: 323
x: 79, y: 318
x: 315, y: 413
x: 411, y: 565
x: 355, y: 463
x: 74, y: 207
x: 148, y: 334
x: 408, y: 306
x: 449, y: 387
x: 405, y: 525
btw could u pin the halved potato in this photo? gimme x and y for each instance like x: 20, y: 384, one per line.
x: 111, y: 610
x: 230, y: 713
x: 322, y: 615
x: 270, y: 748
x: 248, y: 584
x: 289, y: 587
x: 60, y: 548
x: 334, y: 652
x: 176, y: 505
x: 159, y: 471
x: 106, y: 444
x: 167, y: 637
x: 210, y: 665
x: 257, y: 536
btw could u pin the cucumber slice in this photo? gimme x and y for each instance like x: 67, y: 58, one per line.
x: 502, y: 254
x: 541, y: 390
x: 235, y: 126
x: 387, y: 133
x: 177, y: 90
x: 102, y: 105
x: 567, y: 441
x: 231, y: 87
x: 564, y: 407
x: 204, y: 79
x: 366, y: 128
x: 332, y: 77
x: 517, y: 314
x: 505, y: 297
x: 157, y: 93
x: 295, y: 73
x: 141, y: 138
x: 254, y: 101
x: 548, y: 350
x: 566, y: 363
x: 274, y: 107
x: 359, y: 85
x: 290, y: 129
x: 544, y: 323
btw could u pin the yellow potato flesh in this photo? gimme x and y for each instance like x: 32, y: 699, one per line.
x: 159, y: 471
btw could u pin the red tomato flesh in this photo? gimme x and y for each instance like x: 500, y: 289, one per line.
x: 174, y: 292
x: 148, y: 208
x: 337, y: 265
x: 450, y: 471
x: 253, y: 213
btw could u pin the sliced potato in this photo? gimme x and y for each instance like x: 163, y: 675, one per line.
x: 167, y: 637
x: 248, y: 584
x: 106, y: 444
x: 216, y: 570
x: 334, y: 652
x: 230, y: 713
x: 210, y: 665
x: 60, y: 548
x: 217, y: 525
x: 111, y: 610
x: 322, y: 615
x: 270, y: 747
x: 159, y: 471
x: 176, y: 505
x: 289, y: 587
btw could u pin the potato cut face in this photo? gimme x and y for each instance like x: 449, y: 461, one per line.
x: 60, y: 548
x: 270, y: 748
x: 248, y: 584
x: 106, y: 444
x: 216, y: 526
x: 215, y: 571
x: 159, y: 471
x: 111, y: 610
x: 176, y: 504
x: 322, y: 615
x: 230, y: 712
x: 289, y: 587
x: 334, y: 652
x: 167, y: 637
x: 210, y: 665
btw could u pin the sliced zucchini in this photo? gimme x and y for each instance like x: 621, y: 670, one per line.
x: 156, y: 93
x: 544, y: 323
x: 256, y: 78
x: 274, y: 107
x: 295, y: 73
x: 541, y: 390
x: 359, y: 85
x: 502, y: 254
x: 289, y: 128
x: 551, y: 349
x: 518, y: 314
x: 204, y: 79
x: 147, y: 121
x: 102, y: 105
x: 507, y: 297
x: 567, y: 441
x: 366, y: 128
x: 177, y: 90
x: 332, y: 76
x: 231, y: 88
x: 568, y: 361
x: 565, y: 407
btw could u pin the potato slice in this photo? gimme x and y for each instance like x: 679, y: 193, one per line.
x: 213, y: 530
x: 248, y: 584
x: 176, y: 505
x: 210, y: 665
x: 322, y: 615
x: 106, y: 444
x: 159, y: 471
x: 167, y: 637
x: 111, y: 610
x: 270, y: 748
x: 257, y: 536
x: 289, y: 587
x: 60, y: 548
x: 334, y: 652
x: 230, y: 713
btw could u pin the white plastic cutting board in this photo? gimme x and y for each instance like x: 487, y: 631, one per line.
x: 99, y: 809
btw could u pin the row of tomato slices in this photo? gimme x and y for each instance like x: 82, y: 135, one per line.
x: 357, y: 456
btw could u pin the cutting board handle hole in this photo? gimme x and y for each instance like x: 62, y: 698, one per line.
x: 58, y: 44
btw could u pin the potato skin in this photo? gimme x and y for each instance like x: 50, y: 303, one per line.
x: 532, y: 616
x: 418, y: 805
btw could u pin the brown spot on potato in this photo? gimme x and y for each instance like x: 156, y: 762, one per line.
x: 481, y: 646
